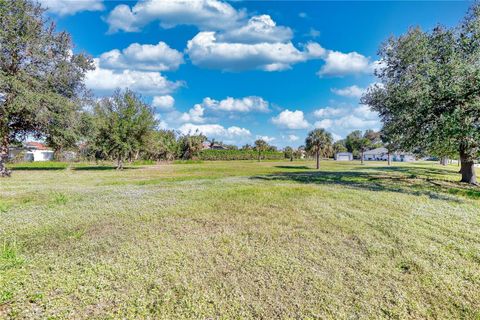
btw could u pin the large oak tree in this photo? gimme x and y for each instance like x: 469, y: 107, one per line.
x: 40, y: 78
x: 429, y: 92
x: 123, y: 125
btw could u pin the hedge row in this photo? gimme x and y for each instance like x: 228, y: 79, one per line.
x: 238, y: 155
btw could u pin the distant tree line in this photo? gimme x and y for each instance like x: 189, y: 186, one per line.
x: 210, y: 154
x: 427, y: 96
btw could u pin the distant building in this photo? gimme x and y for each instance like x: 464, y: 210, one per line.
x: 381, y: 154
x: 344, y: 156
x: 208, y: 145
x: 378, y: 154
x: 302, y: 154
x: 403, y: 157
x: 218, y: 147
x: 32, y: 151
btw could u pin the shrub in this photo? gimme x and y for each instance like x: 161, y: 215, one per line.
x: 238, y: 155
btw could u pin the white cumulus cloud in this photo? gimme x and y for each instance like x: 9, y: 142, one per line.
x: 365, y: 112
x: 340, y: 64
x: 246, y: 104
x: 315, y: 50
x: 292, y: 138
x: 291, y: 120
x: 158, y: 57
x: 204, y: 14
x: 325, y: 123
x: 232, y: 134
x: 104, y: 81
x: 205, y: 50
x: 258, y: 29
x: 355, y: 122
x: 360, y: 117
x: 267, y: 139
x: 329, y: 112
x: 195, y: 114
x: 351, y: 92
x: 163, y: 103
x: 313, y: 33
x: 69, y: 7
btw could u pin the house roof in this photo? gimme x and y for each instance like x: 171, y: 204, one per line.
x: 35, y: 145
x: 377, y: 151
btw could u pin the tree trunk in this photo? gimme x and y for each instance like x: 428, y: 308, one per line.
x: 317, y: 154
x: 388, y: 158
x: 467, y: 169
x: 443, y: 161
x: 58, y: 154
x: 119, y: 163
x: 4, y: 172
x: 361, y: 157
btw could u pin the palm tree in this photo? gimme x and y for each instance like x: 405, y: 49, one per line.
x: 192, y: 144
x: 261, y: 146
x: 319, y: 141
x: 288, y: 152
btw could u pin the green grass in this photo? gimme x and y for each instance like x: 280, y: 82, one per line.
x: 241, y: 239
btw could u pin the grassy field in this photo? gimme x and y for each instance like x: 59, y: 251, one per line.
x: 223, y: 240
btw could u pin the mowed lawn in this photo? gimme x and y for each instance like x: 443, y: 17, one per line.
x: 228, y: 240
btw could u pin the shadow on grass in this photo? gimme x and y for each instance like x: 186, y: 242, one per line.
x: 294, y: 167
x: 381, y: 181
x: 100, y: 168
x: 27, y: 168
x: 58, y: 168
x: 412, y: 170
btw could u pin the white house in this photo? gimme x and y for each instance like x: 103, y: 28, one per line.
x: 403, y: 157
x: 33, y: 151
x: 378, y: 154
x: 344, y: 156
x: 381, y: 154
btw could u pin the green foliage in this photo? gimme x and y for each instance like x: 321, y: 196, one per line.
x: 288, y: 152
x: 9, y: 257
x: 319, y: 143
x: 5, y: 296
x: 428, y: 97
x: 261, y: 146
x: 356, y: 141
x: 123, y: 124
x: 41, y: 165
x: 210, y: 154
x: 4, y: 207
x: 162, y: 145
x: 339, y: 146
x: 247, y: 147
x: 191, y: 144
x: 41, y: 79
x: 59, y: 198
x: 374, y: 137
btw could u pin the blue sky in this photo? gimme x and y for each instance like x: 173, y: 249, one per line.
x: 245, y: 69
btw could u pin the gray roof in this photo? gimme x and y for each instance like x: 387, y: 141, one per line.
x: 381, y: 150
